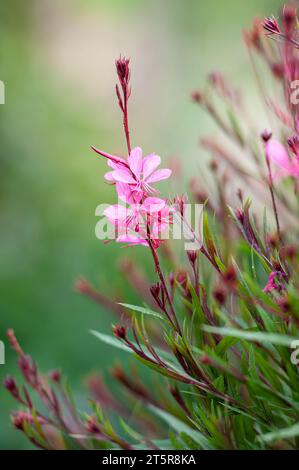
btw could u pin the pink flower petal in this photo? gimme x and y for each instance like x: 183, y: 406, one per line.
x: 124, y: 176
x: 153, y: 204
x: 115, y: 165
x: 132, y: 240
x: 109, y: 177
x: 277, y: 153
x: 116, y: 212
x: 159, y: 175
x: 124, y: 192
x: 150, y: 163
x: 137, y: 195
x: 135, y: 161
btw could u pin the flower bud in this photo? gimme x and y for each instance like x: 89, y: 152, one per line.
x: 120, y: 331
x: 192, y: 256
x: 271, y: 26
x: 289, y: 18
x: 11, y: 386
x: 55, y: 375
x: 266, y: 135
x: 123, y: 70
x: 20, y: 418
x: 219, y: 295
x: 197, y: 96
x: 158, y: 295
x: 230, y: 275
x: 92, y: 426
x: 293, y: 143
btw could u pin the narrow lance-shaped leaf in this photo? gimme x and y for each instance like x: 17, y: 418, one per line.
x: 253, y: 336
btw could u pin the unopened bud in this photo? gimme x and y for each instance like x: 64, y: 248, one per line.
x: 120, y: 331
x: 11, y: 386
x: 55, y: 375
x: 266, y: 135
x: 271, y: 26
x: 197, y: 96
x: 192, y: 256
x: 92, y: 426
x: 123, y: 70
x: 219, y: 295
x: 289, y: 18
x: 230, y: 275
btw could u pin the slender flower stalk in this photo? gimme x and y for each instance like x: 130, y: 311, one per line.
x: 164, y: 286
x: 133, y: 181
x: 271, y: 185
x: 271, y: 188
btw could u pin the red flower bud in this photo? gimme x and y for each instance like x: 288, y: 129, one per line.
x: 120, y: 331
x: 219, y: 295
x: 123, y: 70
x: 55, y: 375
x: 11, y: 386
x: 271, y: 26
x: 192, y: 256
x: 197, y: 96
x: 92, y: 426
x: 230, y: 275
x: 266, y: 135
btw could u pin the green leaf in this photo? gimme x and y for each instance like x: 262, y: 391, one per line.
x: 116, y: 343
x: 181, y: 427
x: 196, y: 303
x: 146, y: 311
x: 162, y: 444
x: 284, y: 433
x: 208, y: 237
x: 130, y: 431
x: 167, y: 358
x: 253, y: 336
x: 219, y: 383
x: 224, y: 345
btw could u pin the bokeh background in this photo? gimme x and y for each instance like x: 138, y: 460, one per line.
x: 57, y: 63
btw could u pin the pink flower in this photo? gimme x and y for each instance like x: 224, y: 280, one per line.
x: 146, y: 217
x: 134, y: 224
x: 278, y: 154
x: 271, y: 285
x: 134, y: 177
x: 274, y: 282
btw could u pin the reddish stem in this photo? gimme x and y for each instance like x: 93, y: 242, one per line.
x: 271, y: 186
x: 126, y: 123
x: 163, y: 283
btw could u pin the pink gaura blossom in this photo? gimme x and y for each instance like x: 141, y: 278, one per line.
x: 134, y: 224
x: 134, y: 177
x: 147, y: 217
x: 271, y: 285
x: 274, y: 282
x: 277, y: 154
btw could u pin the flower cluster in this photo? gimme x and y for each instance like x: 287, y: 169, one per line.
x: 143, y: 216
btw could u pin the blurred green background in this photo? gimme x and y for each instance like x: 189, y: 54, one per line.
x: 57, y: 63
